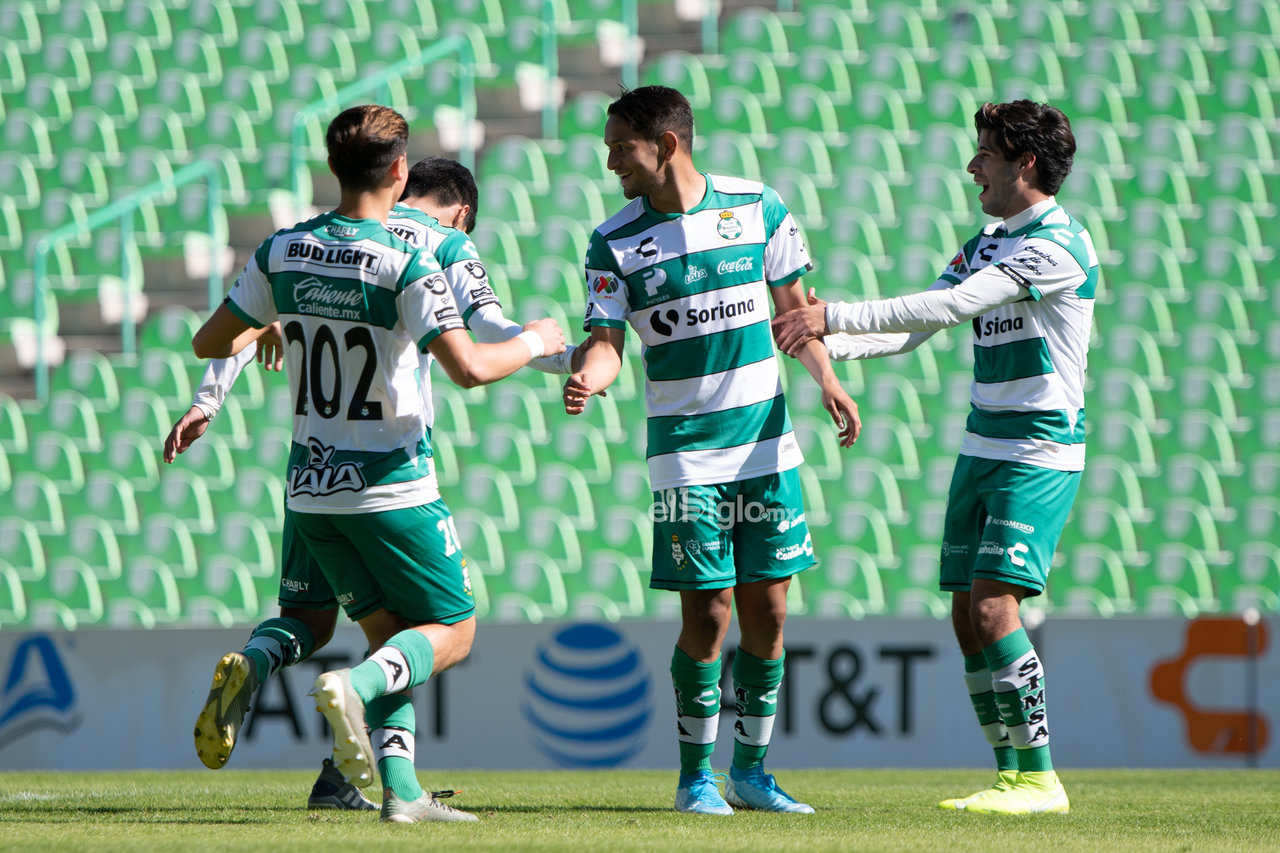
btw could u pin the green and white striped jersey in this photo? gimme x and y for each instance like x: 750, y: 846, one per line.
x: 453, y: 249
x: 695, y: 287
x: 357, y: 304
x: 1030, y: 356
x: 462, y: 267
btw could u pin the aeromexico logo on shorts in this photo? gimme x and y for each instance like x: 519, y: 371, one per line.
x: 321, y: 477
x: 587, y: 697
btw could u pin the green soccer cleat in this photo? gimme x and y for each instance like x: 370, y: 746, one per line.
x: 338, y: 701
x: 1037, y: 792
x: 425, y: 808
x: 331, y: 791
x: 234, y: 681
x: 1005, y: 780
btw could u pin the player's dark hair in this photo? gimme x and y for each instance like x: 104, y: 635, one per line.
x: 363, y: 142
x: 653, y: 110
x: 445, y: 182
x: 1020, y: 127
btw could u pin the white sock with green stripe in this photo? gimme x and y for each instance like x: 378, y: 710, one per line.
x: 1018, y: 679
x: 977, y: 679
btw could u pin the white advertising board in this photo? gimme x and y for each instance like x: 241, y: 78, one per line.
x: 870, y: 693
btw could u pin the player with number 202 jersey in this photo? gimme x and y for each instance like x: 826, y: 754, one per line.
x: 357, y: 305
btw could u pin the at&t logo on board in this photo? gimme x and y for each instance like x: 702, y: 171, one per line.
x: 587, y: 697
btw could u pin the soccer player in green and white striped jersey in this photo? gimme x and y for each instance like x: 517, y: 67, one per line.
x: 694, y: 263
x: 437, y: 210
x: 358, y: 304
x: 1027, y: 283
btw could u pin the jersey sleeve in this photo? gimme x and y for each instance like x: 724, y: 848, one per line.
x: 606, y: 289
x: 251, y: 298
x: 425, y: 302
x: 1044, y: 265
x: 466, y: 274
x: 785, y: 255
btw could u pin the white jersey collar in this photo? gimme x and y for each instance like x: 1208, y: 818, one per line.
x: 1031, y: 214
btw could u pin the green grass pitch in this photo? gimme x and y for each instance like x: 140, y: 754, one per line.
x: 1112, y: 811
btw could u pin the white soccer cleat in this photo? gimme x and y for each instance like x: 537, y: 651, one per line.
x: 343, y: 708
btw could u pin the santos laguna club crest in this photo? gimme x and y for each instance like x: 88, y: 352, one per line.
x: 729, y: 226
x: 587, y: 697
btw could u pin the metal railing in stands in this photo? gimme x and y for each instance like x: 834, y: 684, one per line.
x: 124, y: 211
x: 630, y: 21
x: 381, y: 84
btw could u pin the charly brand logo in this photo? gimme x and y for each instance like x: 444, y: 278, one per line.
x: 37, y: 692
x: 587, y: 697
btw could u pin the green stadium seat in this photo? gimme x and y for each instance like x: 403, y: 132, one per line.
x: 21, y: 546
x: 798, y: 190
x: 77, y: 591
x: 418, y: 16
x: 910, y: 585
x: 532, y: 589
x: 1178, y: 582
x: 754, y: 29
x: 1256, y: 580
x: 71, y: 414
x: 19, y: 179
x: 489, y: 488
x: 224, y: 593
x: 20, y: 22
x: 823, y: 25
x: 845, y: 584
x: 1097, y: 97
x: 509, y: 202
x: 51, y: 98
x: 56, y: 457
x: 726, y: 152
x: 823, y: 68
x: 13, y: 598
x: 487, y: 14
x: 1091, y: 582
x: 865, y: 524
x: 584, y: 113
x: 26, y: 132
x: 753, y: 70
x: 585, y: 154
x: 518, y: 158
x: 683, y: 71
x: 481, y: 541
x: 896, y: 24
x: 611, y: 586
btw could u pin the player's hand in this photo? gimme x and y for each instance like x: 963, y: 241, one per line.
x: 793, y: 329
x: 188, y: 428
x: 550, y: 332
x: 576, y: 392
x: 844, y: 412
x: 271, y: 347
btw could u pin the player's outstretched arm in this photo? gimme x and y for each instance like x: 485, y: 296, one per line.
x: 490, y: 325
x: 596, y: 364
x: 469, y: 364
x: 813, y: 355
x: 222, y: 335
x: 188, y: 428
x: 796, y: 325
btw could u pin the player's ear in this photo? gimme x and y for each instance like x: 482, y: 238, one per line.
x: 668, y: 144
x: 460, y: 217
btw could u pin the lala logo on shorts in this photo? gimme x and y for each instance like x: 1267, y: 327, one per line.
x: 320, y: 477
